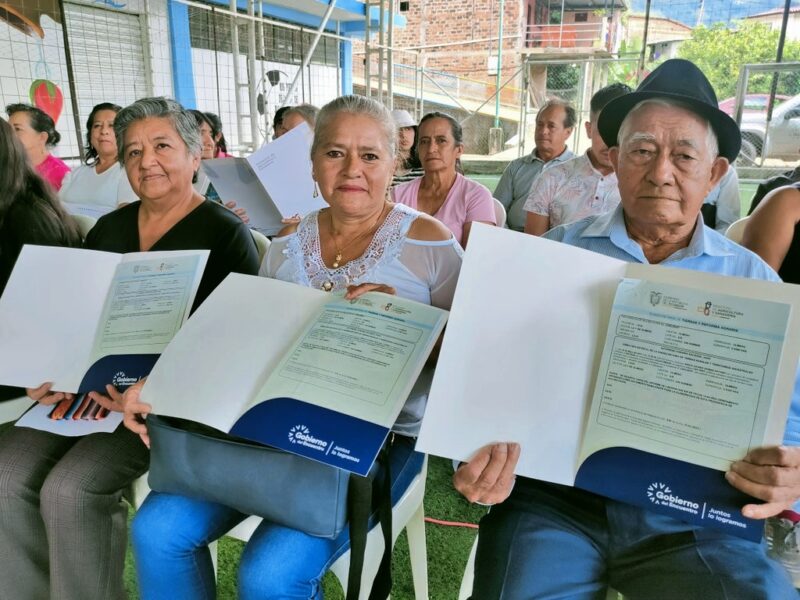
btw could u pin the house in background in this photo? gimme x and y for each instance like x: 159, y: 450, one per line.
x: 774, y: 18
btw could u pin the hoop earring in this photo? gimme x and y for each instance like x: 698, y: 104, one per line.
x: 316, y: 191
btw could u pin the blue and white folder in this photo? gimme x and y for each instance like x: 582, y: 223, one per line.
x: 638, y: 382
x: 82, y: 319
x: 297, y: 368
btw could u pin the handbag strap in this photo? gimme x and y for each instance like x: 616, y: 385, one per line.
x: 359, y: 507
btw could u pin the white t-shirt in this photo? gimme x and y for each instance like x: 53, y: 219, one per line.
x: 84, y: 186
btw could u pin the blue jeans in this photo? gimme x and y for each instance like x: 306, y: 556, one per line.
x: 170, y: 536
x: 551, y: 541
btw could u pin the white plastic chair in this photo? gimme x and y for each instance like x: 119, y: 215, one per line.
x: 262, y: 243
x: 499, y: 213
x: 408, y: 514
x: 85, y: 224
x: 469, y: 574
x: 735, y: 231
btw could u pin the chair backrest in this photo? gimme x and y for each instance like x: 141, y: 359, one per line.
x: 262, y: 243
x: 736, y: 230
x: 85, y: 223
x: 499, y: 213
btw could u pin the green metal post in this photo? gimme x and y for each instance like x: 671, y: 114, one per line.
x: 499, y: 65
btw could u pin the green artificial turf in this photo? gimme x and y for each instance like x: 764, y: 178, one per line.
x: 448, y: 547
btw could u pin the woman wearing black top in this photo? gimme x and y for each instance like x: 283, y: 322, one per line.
x: 773, y: 231
x: 62, y: 520
x: 29, y: 214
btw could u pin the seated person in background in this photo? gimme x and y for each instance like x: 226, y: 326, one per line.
x: 442, y: 192
x: 723, y: 206
x: 670, y: 144
x: 773, y: 183
x: 277, y: 122
x: 37, y: 132
x: 554, y: 124
x: 773, y: 231
x: 580, y: 187
x: 63, y: 523
x: 29, y: 214
x: 302, y: 113
x: 100, y: 180
x: 209, y: 151
x: 408, y: 165
x: 216, y: 133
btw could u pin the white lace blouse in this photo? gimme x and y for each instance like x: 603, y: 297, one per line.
x: 423, y: 271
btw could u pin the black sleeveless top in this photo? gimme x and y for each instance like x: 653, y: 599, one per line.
x: 790, y: 268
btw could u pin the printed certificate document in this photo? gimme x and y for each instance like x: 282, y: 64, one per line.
x: 273, y: 183
x: 84, y: 318
x: 299, y: 369
x: 638, y: 382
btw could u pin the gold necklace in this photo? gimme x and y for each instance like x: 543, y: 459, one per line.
x: 339, y: 250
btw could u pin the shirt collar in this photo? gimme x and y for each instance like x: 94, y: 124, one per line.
x: 611, y: 225
x: 565, y: 155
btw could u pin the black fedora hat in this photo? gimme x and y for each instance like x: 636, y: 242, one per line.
x: 681, y: 80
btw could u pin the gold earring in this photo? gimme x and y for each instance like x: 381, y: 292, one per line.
x: 316, y: 191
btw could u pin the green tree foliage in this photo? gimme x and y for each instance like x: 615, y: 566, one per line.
x: 721, y: 52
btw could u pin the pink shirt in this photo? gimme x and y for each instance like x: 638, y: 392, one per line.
x: 53, y: 170
x: 467, y: 201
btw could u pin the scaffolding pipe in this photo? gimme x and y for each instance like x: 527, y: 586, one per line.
x: 644, y: 41
x: 499, y: 65
x: 390, y: 59
x: 263, y: 48
x: 237, y: 86
x: 252, y: 87
x: 307, y: 57
x: 381, y: 49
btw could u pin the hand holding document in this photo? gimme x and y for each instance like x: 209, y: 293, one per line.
x: 296, y: 368
x: 82, y: 319
x: 638, y: 382
x: 272, y: 184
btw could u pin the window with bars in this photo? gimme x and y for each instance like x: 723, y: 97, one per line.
x: 211, y: 30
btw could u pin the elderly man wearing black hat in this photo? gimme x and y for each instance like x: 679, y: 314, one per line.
x: 670, y: 145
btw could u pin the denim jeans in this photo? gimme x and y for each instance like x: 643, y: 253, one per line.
x: 551, y: 541
x: 170, y: 536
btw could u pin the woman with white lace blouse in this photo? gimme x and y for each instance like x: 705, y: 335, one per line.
x: 362, y: 242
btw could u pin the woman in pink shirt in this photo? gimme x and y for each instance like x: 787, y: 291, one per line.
x: 443, y: 192
x: 37, y: 132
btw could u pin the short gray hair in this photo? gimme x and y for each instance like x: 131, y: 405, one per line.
x: 356, y: 105
x: 624, y: 128
x: 182, y: 120
x: 307, y: 112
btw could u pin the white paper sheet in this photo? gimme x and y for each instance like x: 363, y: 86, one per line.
x: 235, y: 359
x: 233, y: 178
x: 273, y: 183
x: 284, y: 168
x: 49, y: 312
x: 504, y: 331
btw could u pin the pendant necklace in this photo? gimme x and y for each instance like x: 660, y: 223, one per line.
x: 337, y: 259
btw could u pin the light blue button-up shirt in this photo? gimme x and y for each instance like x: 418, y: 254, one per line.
x: 515, y: 184
x: 707, y: 251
